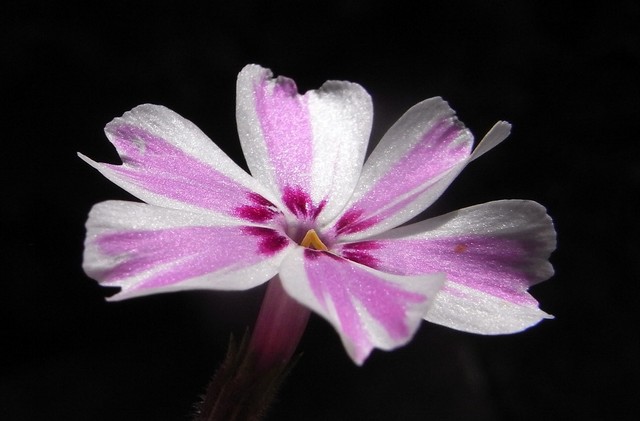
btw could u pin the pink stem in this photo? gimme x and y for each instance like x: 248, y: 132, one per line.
x: 247, y: 381
x: 279, y: 328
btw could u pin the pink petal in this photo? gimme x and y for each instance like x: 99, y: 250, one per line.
x: 169, y: 162
x: 145, y: 249
x: 413, y: 164
x: 368, y: 308
x: 491, y: 254
x: 308, y: 148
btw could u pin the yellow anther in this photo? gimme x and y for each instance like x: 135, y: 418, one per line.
x: 311, y: 240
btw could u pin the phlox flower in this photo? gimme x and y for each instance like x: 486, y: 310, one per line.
x: 316, y: 217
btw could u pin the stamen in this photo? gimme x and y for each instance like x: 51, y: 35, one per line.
x: 311, y: 240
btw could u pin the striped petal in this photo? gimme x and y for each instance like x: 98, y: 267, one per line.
x: 490, y: 253
x: 368, y: 308
x: 414, y: 163
x: 309, y: 148
x: 146, y: 249
x: 169, y: 162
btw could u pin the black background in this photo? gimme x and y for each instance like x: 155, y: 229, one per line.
x: 566, y: 76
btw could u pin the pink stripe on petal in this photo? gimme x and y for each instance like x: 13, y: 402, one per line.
x: 322, y: 278
x: 153, y: 164
x: 361, y: 252
x: 270, y: 241
x: 167, y: 256
x: 300, y: 203
x: 258, y: 210
x: 353, y: 221
x: 433, y: 155
x: 283, y: 116
x: 368, y: 308
x: 494, y: 265
x: 410, y: 168
x: 357, y: 222
x: 308, y: 149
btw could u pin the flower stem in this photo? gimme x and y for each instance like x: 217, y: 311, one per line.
x: 253, y: 370
x: 279, y: 327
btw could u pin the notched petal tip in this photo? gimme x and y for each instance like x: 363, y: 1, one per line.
x: 340, y: 86
x: 140, y: 115
x: 251, y: 73
x: 254, y: 68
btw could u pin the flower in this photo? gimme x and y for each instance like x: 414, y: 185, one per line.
x: 313, y: 215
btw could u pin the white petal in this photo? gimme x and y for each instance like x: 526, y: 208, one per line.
x: 146, y: 249
x: 169, y: 162
x: 307, y: 148
x: 490, y: 253
x: 412, y: 165
x: 369, y: 309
